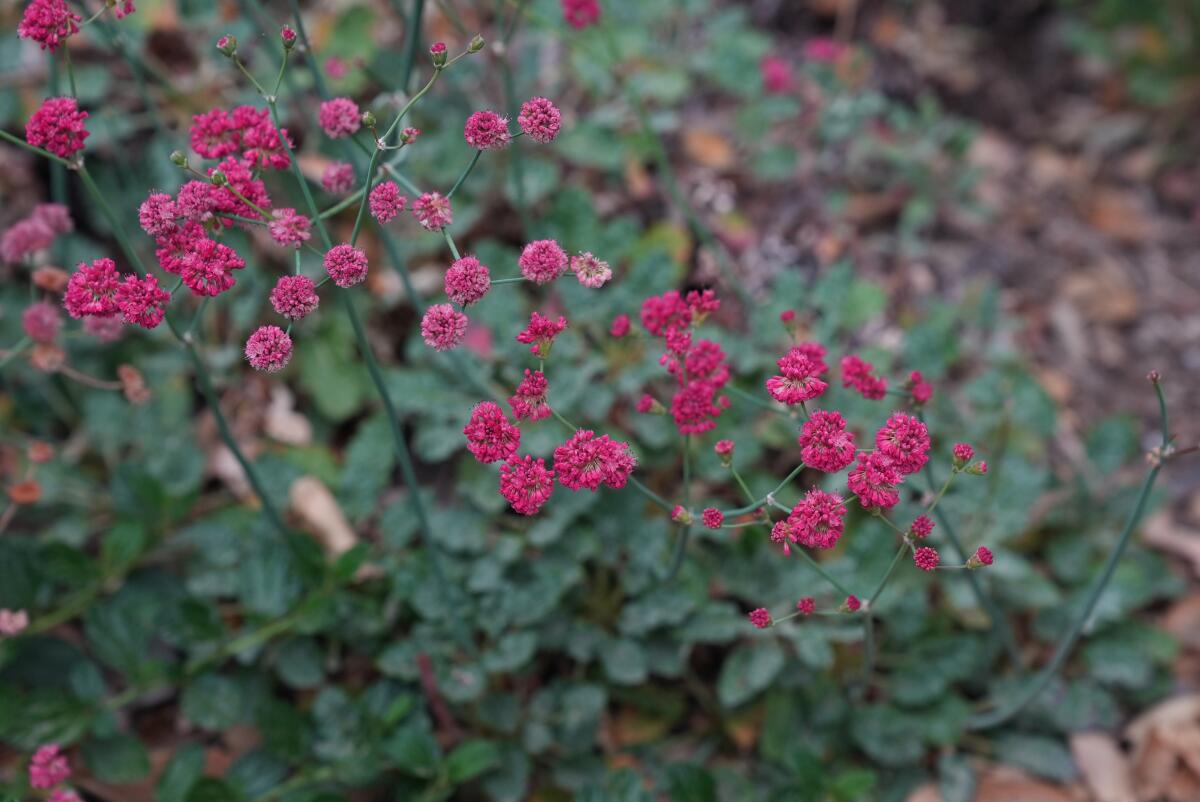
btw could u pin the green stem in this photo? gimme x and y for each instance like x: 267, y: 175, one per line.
x: 816, y: 566
x: 412, y: 43
x: 754, y: 505
x: 756, y: 401
x: 887, y: 576
x: 463, y: 176
x: 21, y: 143
x: 15, y: 351
x: 1030, y: 690
x: 118, y: 230
x: 70, y: 71
x: 650, y: 494
x: 685, y: 532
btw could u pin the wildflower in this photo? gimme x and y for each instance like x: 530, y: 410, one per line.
x: 467, y: 280
x: 856, y: 374
x: 269, y: 349
x: 529, y: 401
x: 58, y: 126
x: 761, y: 618
x: 526, y: 484
x: 25, y: 238
x: 289, y: 228
x: 824, y: 442
x: 487, y: 130
x: 921, y: 390
x: 963, y: 453
x: 874, y: 480
x: 981, y: 557
x: 338, y: 178
x: 409, y: 135
x: 194, y: 201
x: 386, y: 201
x: 978, y: 468
x: 174, y: 246
x: 921, y: 526
x: 540, y: 333
x: 346, y: 265
x: 29, y: 491
x: 581, y: 13
x: 590, y: 271
x: 702, y: 373
x: 712, y: 518
x: 294, y: 297
x: 157, y: 214
x: 806, y: 606
x: 724, y: 450
x: 442, y: 327
x: 787, y: 316
x: 670, y: 311
x: 542, y: 261
x: 336, y: 68
x: 41, y: 322
x: 798, y: 380
x: 490, y: 437
x: 681, y: 515
x: 104, y: 329
x: 587, y: 461
x: 437, y: 54
x: 92, y: 290
x: 142, y: 302
x: 926, y: 558
x: 54, y: 217
x: 620, y: 326
x: 776, y: 75
x: 239, y: 175
x: 905, y: 440
x: 818, y: 520
x: 214, y: 134
x: 227, y: 45
x: 13, y: 622
x: 339, y: 117
x: 287, y: 35
x: 48, y: 767
x: 207, y: 269
x: 540, y: 119
x: 851, y: 604
x: 48, y: 22
x: 433, y: 211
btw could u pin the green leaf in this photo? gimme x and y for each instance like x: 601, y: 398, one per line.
x: 470, y: 759
x: 749, y: 671
x: 213, y: 702
x: 300, y: 663
x: 956, y: 778
x: 412, y: 749
x: 121, y: 547
x: 185, y: 767
x: 888, y: 735
x: 690, y: 784
x: 209, y: 790
x: 1043, y: 756
x: 117, y: 759
x: 624, y: 661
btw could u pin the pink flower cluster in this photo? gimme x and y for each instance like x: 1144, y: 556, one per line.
x: 825, y: 444
x: 529, y: 400
x: 48, y: 767
x: 58, y: 126
x: 817, y: 521
x: 246, y: 132
x: 48, y: 22
x: 799, y: 379
x: 339, y: 117
x: 294, y: 297
x: 540, y: 119
x: 490, y: 437
x: 467, y: 281
x: 858, y: 375
x: 698, y: 366
x: 433, y: 211
x: 346, y: 265
x: 269, y: 349
x: 13, y: 622
x: 540, y: 333
x: 36, y: 232
x: 581, y: 13
x: 386, y: 201
x: 542, y: 261
x: 487, y: 130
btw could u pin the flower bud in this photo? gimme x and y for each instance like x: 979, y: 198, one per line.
x: 851, y: 605
x: 40, y: 452
x: 227, y: 45
x: 368, y: 118
x: 218, y: 178
x: 287, y: 35
x: 437, y: 52
x: 409, y: 135
x: 724, y: 449
x: 977, y: 468
x: 476, y: 45
x: 680, y: 515
x: 1153, y: 377
x: 962, y: 455
x: 981, y: 557
x: 25, y: 492
x: 179, y: 158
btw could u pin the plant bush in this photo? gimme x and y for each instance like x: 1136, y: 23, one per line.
x: 647, y: 621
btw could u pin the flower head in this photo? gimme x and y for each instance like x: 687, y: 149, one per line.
x: 48, y: 767
x: 289, y: 228
x: 926, y: 558
x: 724, y: 450
x: 540, y: 333
x: 905, y: 440
x: 963, y: 453
x: 92, y: 290
x: 981, y: 557
x: 157, y: 214
x: 526, y: 483
x: 142, y: 302
x: 818, y: 520
x: 921, y: 526
x: 48, y: 22
x: 346, y: 265
x: 467, y: 280
x: 851, y: 604
x: 269, y: 349
x: 207, y: 269
x: 581, y: 13
x: 712, y: 518
x: 874, y: 480
x: 776, y: 75
x: 681, y: 515
x: 921, y: 390
x: 542, y: 261
x: 529, y: 401
x: 339, y: 117
x: 591, y: 271
x: 386, y: 201
x: 587, y: 461
x: 824, y: 442
x: 540, y: 119
x: 41, y: 322
x: 761, y: 618
x: 490, y: 437
x: 487, y: 130
x: 620, y: 326
x: 857, y: 374
x: 338, y: 178
x: 294, y: 297
x: 798, y: 380
x: 443, y: 327
x: 58, y: 126
x: 433, y: 211
x: 806, y: 606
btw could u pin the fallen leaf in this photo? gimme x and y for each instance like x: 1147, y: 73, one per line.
x: 1103, y: 293
x: 1182, y: 620
x: 312, y: 501
x: 708, y: 148
x: 1104, y: 766
x: 1119, y: 214
x: 281, y: 420
x: 1163, y: 532
x: 1006, y: 784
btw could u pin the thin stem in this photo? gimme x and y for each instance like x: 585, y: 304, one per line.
x: 758, y: 402
x: 650, y: 494
x: 70, y: 69
x: 412, y: 43
x: 15, y: 351
x: 816, y: 566
x: 685, y: 531
x: 117, y: 230
x: 463, y: 176
x: 21, y: 143
x: 1030, y: 690
x: 888, y: 575
x: 450, y: 244
x: 514, y: 280
x: 754, y: 505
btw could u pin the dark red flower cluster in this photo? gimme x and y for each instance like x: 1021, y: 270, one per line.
x: 246, y: 132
